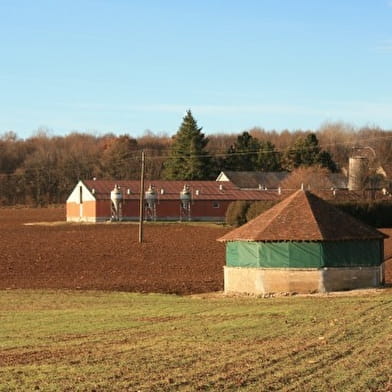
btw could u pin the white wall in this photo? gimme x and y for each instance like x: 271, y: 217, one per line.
x: 74, y: 197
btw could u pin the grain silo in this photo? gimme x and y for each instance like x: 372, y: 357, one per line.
x: 185, y: 203
x: 303, y: 244
x: 358, y: 167
x: 151, y: 199
x: 116, y: 201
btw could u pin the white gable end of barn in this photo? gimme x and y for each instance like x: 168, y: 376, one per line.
x: 222, y: 177
x: 80, y: 194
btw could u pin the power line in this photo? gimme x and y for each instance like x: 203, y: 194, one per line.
x: 136, y: 156
x: 265, y: 151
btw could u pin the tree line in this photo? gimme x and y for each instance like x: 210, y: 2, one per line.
x: 43, y: 169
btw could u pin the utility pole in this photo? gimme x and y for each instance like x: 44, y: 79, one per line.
x: 141, y: 205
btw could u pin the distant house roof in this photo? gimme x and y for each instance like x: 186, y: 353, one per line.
x: 272, y: 180
x: 341, y: 195
x: 385, y: 170
x: 303, y: 217
x: 344, y: 195
x: 253, y: 179
x: 170, y: 190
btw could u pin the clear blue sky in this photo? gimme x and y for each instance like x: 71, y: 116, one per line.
x: 125, y: 66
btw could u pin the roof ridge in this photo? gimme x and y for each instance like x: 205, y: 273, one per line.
x: 270, y: 215
x: 303, y: 216
x: 308, y: 196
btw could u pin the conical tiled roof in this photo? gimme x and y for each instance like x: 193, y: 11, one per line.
x: 303, y: 217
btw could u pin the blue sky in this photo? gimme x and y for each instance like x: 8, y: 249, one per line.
x: 125, y: 66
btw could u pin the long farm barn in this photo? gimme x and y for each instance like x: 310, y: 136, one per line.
x: 99, y: 200
x: 104, y: 200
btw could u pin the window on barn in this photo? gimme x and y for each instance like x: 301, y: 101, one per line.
x: 81, y: 195
x: 215, y: 204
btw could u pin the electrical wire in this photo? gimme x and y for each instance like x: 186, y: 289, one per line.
x: 137, y: 156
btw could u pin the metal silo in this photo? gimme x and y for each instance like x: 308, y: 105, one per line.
x: 151, y: 199
x: 185, y: 203
x: 116, y: 199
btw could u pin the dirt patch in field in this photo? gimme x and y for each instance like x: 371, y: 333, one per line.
x: 175, y: 258
x: 28, y: 357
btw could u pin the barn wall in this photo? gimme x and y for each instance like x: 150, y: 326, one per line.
x: 260, y: 281
x: 72, y: 211
x: 84, y: 212
x: 334, y: 279
x: 100, y: 210
x: 209, y: 210
x: 168, y: 209
x: 200, y: 210
x: 131, y: 209
x: 103, y: 210
x: 89, y: 209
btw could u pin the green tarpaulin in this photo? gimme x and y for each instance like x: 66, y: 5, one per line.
x: 352, y: 253
x: 303, y: 254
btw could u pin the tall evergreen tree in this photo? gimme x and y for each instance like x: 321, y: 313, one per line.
x: 188, y: 158
x: 249, y: 153
x: 243, y: 155
x: 307, y: 152
x: 268, y: 159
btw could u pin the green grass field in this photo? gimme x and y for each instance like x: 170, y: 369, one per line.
x: 99, y: 341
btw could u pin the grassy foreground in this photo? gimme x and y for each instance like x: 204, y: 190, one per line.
x: 97, y: 341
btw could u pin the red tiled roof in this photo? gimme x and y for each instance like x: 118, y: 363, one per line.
x: 210, y: 190
x: 303, y: 217
x: 170, y: 190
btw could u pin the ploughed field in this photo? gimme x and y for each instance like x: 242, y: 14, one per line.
x: 174, y: 258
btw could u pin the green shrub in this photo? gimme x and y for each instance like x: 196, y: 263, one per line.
x: 378, y: 214
x: 236, y: 213
x: 258, y: 207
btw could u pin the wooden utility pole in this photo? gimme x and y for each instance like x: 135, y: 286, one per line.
x: 141, y: 205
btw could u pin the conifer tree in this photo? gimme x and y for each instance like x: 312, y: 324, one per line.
x: 307, y: 152
x: 242, y: 156
x: 268, y: 158
x: 188, y: 158
x: 250, y: 154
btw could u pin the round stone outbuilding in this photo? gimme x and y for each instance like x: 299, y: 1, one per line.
x: 303, y: 244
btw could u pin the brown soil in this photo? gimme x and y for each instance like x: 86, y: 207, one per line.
x: 174, y: 258
x: 388, y: 256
